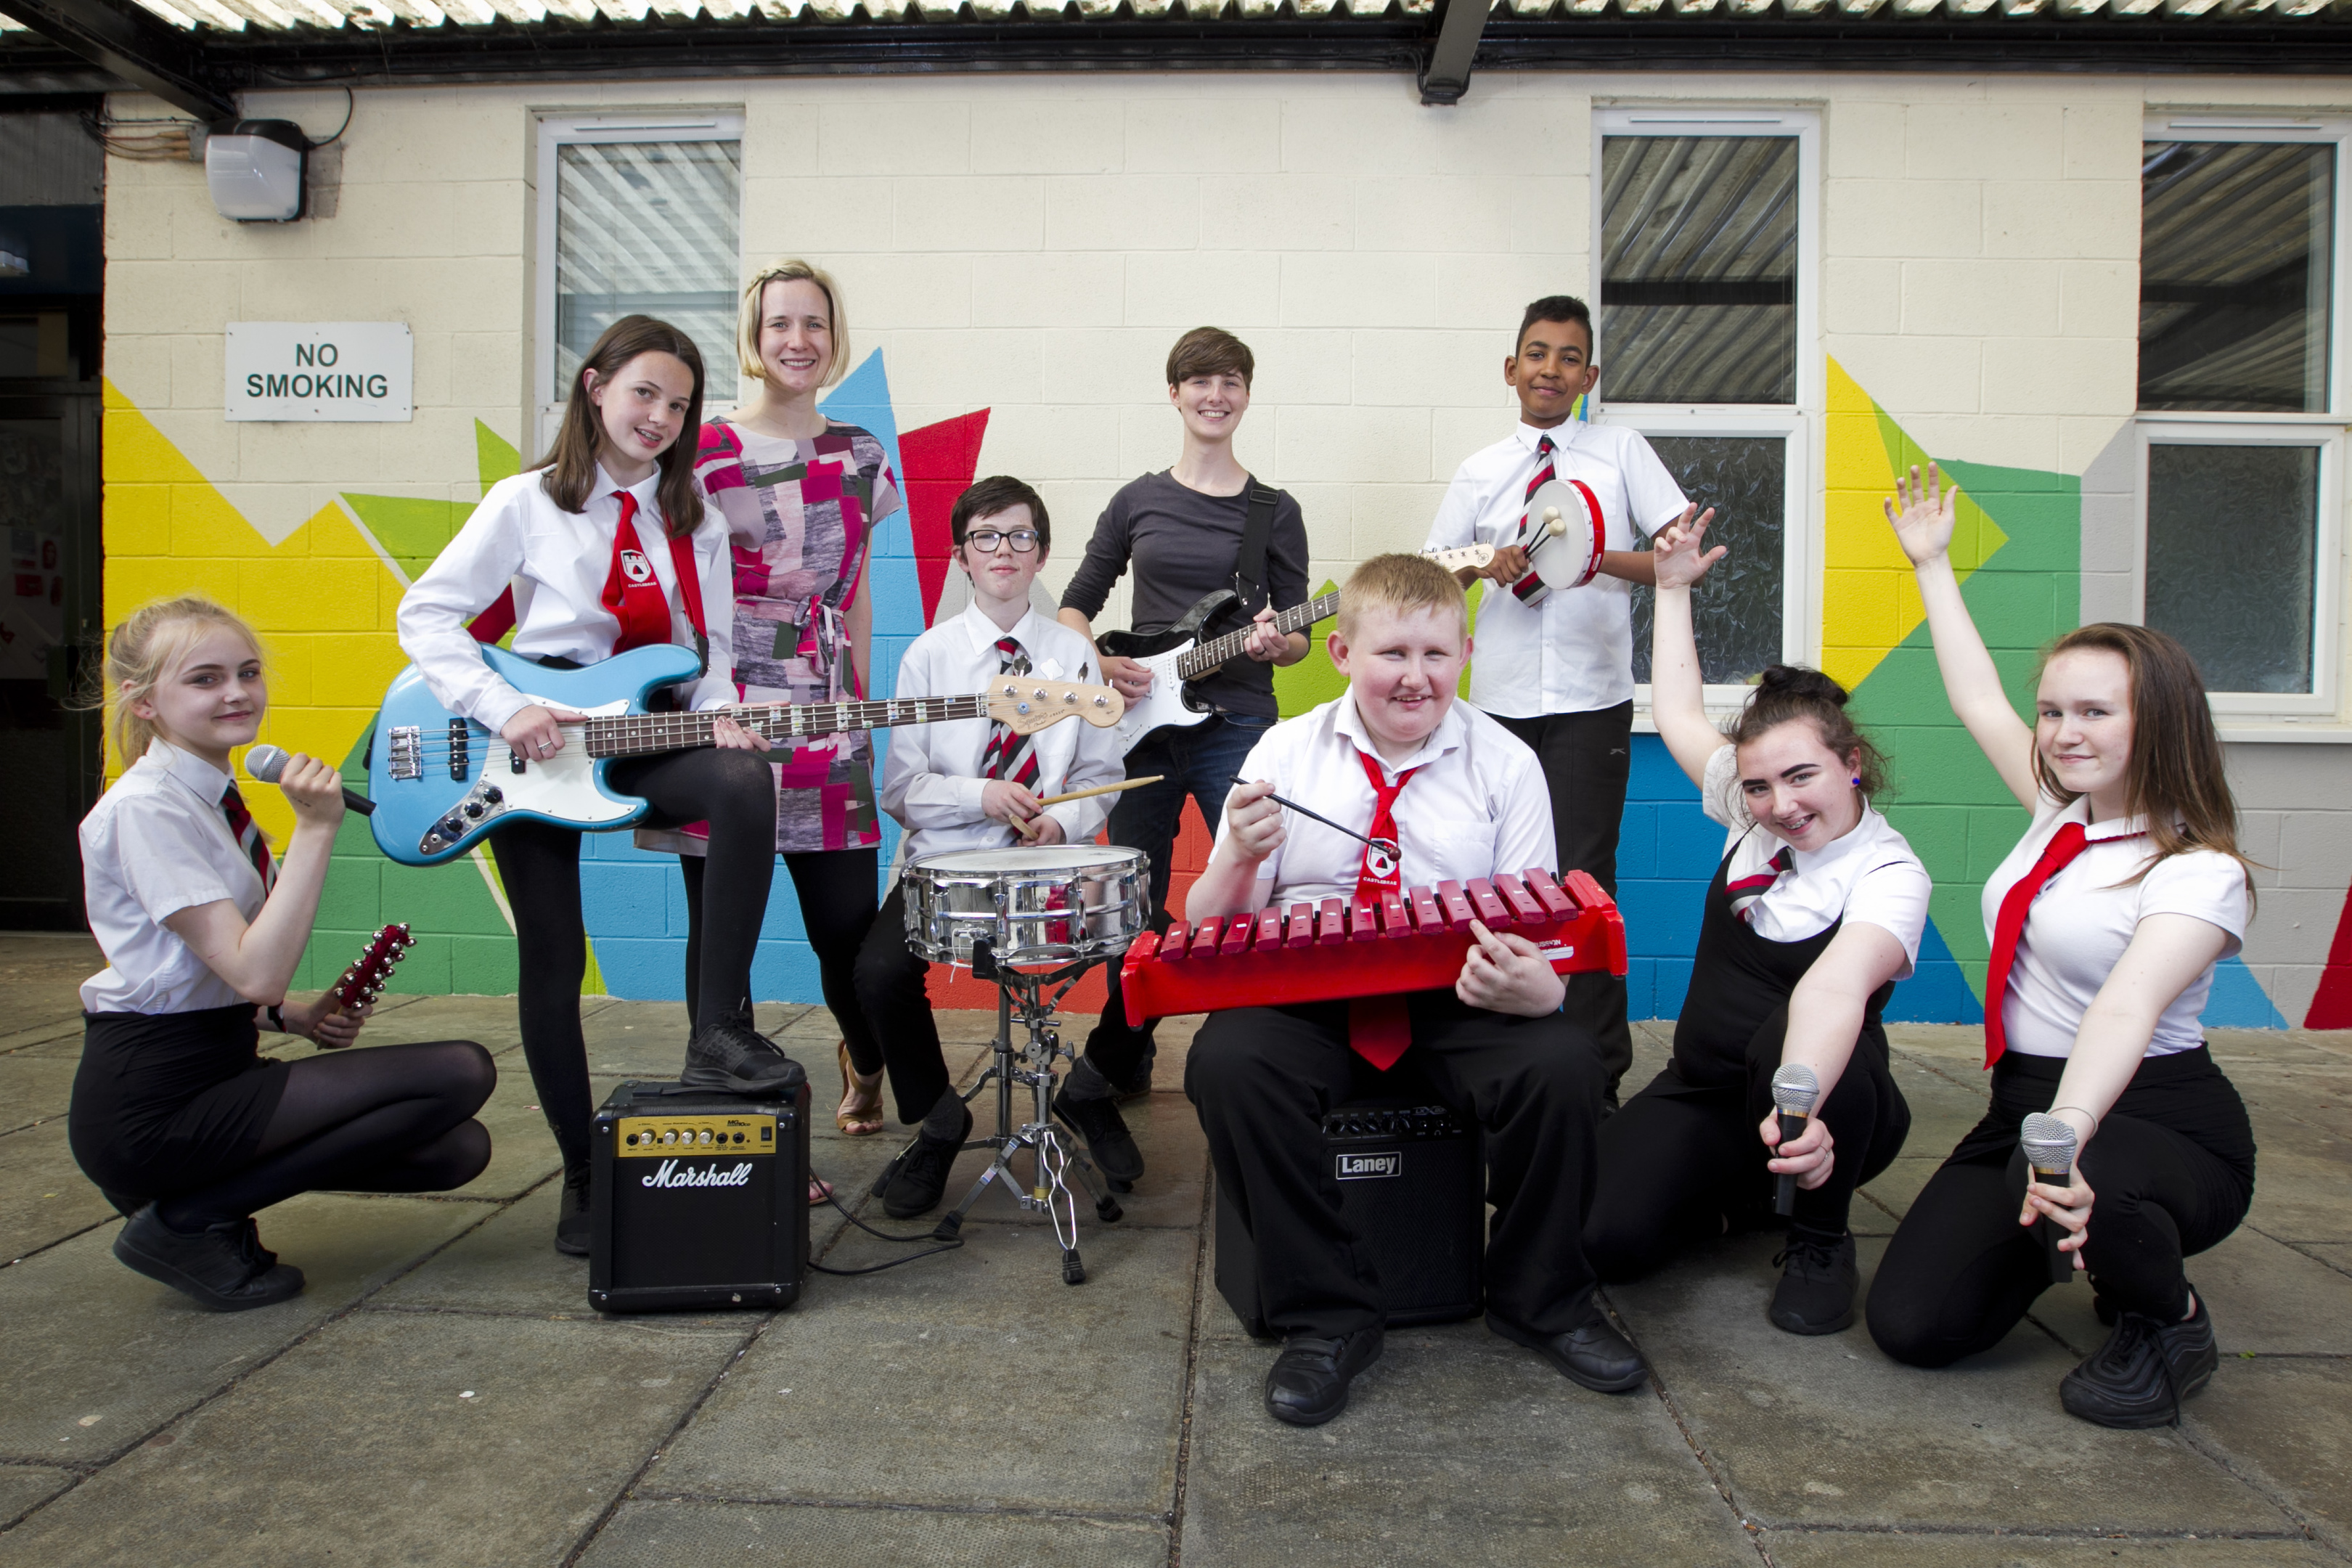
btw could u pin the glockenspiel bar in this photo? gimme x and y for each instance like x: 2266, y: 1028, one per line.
x: 1548, y: 893
x: 1300, y: 929
x: 1238, y: 931
x: 1515, y: 893
x: 1174, y: 945
x: 1456, y: 907
x: 1329, y: 926
x: 1484, y: 903
x: 1204, y: 937
x: 1269, y: 929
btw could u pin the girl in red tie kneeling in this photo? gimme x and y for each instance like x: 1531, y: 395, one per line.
x: 609, y: 545
x: 2106, y: 921
x: 176, y: 1115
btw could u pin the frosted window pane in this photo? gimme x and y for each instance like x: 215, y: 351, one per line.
x: 2235, y: 258
x: 2232, y: 532
x: 648, y: 228
x: 1698, y: 279
x: 1736, y: 605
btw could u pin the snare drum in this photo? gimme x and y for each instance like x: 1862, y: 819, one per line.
x: 1041, y: 903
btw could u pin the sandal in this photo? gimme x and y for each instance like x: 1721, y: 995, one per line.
x: 819, y: 1191
x: 860, y: 1111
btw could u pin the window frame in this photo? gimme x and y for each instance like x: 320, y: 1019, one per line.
x: 2243, y: 715
x: 556, y: 131
x: 1799, y: 423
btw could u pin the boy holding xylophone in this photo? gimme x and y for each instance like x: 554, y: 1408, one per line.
x: 1460, y: 797
x: 974, y: 785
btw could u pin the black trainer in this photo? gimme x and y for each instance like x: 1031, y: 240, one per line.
x: 1308, y: 1383
x: 1106, y: 1134
x: 571, y: 1218
x: 728, y: 1053
x: 1593, y: 1353
x: 920, y: 1178
x: 2139, y: 1377
x: 1139, y: 1083
x: 222, y: 1268
x: 1817, y: 1281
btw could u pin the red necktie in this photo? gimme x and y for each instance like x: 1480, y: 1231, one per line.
x: 1379, y: 1028
x: 1531, y: 589
x: 632, y: 593
x: 2009, y: 926
x: 248, y: 837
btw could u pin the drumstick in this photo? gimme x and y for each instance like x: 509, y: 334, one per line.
x: 1022, y: 825
x: 1385, y: 845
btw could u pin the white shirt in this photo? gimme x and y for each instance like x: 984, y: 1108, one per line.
x: 2083, y: 918
x: 1572, y: 653
x: 157, y: 843
x: 1478, y: 805
x: 932, y: 782
x: 1867, y: 874
x: 557, y: 561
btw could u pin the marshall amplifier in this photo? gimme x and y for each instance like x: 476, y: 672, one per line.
x: 1412, y: 1184
x: 699, y: 1199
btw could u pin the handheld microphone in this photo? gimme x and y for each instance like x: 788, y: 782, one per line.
x: 1794, y: 1089
x: 265, y: 762
x: 2049, y: 1147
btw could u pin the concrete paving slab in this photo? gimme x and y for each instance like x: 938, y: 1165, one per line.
x: 47, y: 1032
x: 2270, y: 1300
x: 972, y: 1379
x: 22, y: 1486
x: 696, y: 1534
x: 2302, y: 1192
x: 2288, y: 1420
x: 55, y: 1040
x: 44, y: 1197
x: 508, y: 1264
x: 1453, y: 1438
x: 1948, y: 1043
x: 1890, y: 1193
x: 1877, y: 1549
x: 34, y: 1088
x: 1826, y: 1430
x: 87, y: 1339
x: 362, y: 1441
x: 41, y: 973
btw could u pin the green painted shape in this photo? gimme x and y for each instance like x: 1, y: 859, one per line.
x: 494, y: 456
x: 1946, y: 799
x: 1313, y: 680
x: 412, y: 530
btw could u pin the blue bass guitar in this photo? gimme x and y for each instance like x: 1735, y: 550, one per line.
x: 441, y: 782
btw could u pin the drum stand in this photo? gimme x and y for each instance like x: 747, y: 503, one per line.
x: 1050, y: 1153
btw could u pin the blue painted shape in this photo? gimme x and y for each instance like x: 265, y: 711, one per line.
x: 1661, y: 917
x: 1654, y: 774
x: 1637, y: 842
x: 1673, y: 985
x: 2238, y: 1001
x: 624, y: 900
x: 643, y: 970
x: 1939, y: 993
x: 1641, y: 987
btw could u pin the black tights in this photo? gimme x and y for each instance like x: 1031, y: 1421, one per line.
x: 539, y: 863
x: 836, y: 894
x: 393, y: 1119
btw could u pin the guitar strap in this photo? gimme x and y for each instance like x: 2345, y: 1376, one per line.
x: 1249, y: 567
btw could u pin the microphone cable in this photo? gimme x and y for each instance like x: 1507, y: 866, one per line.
x: 834, y: 1199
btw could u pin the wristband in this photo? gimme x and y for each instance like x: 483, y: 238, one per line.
x: 2095, y: 1120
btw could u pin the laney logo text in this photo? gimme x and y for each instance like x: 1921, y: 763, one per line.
x: 1363, y: 1167
x: 668, y: 1174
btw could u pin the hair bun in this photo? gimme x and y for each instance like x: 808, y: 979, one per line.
x: 1798, y: 680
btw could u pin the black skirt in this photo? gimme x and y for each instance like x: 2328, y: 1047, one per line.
x: 170, y: 1102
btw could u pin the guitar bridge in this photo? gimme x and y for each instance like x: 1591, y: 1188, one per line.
x: 403, y: 758
x: 483, y: 803
x: 461, y: 751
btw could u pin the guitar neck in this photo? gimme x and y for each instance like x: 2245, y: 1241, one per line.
x: 1213, y: 653
x: 638, y: 734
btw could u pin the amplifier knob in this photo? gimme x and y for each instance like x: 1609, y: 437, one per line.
x: 669, y: 1137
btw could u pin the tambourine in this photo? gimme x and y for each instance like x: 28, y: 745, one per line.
x: 1569, y: 533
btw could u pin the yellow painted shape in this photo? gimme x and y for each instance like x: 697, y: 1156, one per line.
x: 1869, y: 601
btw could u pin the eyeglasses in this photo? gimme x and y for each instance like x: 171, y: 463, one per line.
x: 985, y: 540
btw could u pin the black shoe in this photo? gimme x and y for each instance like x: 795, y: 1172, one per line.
x: 222, y: 1266
x: 572, y: 1228
x: 920, y: 1178
x: 2139, y: 1377
x: 1139, y: 1083
x: 1308, y: 1383
x: 728, y: 1053
x: 1592, y: 1353
x: 1104, y: 1129
x: 1817, y: 1281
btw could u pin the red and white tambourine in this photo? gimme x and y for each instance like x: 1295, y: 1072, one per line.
x: 1570, y: 533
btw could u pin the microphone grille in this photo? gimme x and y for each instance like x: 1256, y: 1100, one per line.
x: 2048, y: 1143
x: 1794, y: 1089
x: 265, y: 762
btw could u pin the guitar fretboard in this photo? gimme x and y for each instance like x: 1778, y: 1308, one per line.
x: 634, y: 735
x: 1213, y: 653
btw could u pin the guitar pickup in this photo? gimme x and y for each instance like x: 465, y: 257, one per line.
x: 404, y: 757
x: 482, y: 803
x: 461, y: 751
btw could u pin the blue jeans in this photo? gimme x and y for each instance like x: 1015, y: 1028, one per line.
x: 1199, y: 761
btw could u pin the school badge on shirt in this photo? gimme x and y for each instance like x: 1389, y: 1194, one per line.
x: 636, y: 567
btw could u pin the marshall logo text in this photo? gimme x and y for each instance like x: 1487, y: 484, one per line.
x: 668, y: 1174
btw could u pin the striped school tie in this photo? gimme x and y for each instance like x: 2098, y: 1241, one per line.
x: 1530, y: 589
x: 1009, y: 756
x: 1744, y: 893
x: 248, y: 837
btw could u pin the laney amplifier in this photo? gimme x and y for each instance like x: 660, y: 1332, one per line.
x: 1413, y: 1185
x: 701, y: 1200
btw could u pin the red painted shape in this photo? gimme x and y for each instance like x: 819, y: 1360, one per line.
x: 2331, y: 1007
x: 941, y: 461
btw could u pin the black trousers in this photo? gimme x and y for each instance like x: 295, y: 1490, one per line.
x: 835, y: 888
x: 539, y: 865
x: 890, y: 989
x: 1587, y: 759
x: 1263, y: 1079
x: 2173, y: 1169
x: 1680, y: 1157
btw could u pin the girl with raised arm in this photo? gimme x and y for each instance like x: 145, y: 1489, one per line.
x: 2106, y: 921
x: 1814, y: 913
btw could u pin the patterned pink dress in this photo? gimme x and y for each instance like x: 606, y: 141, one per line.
x: 801, y: 515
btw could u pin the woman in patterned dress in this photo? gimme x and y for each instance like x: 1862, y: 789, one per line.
x: 803, y: 495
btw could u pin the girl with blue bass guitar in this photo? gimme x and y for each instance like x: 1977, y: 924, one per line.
x: 609, y: 545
